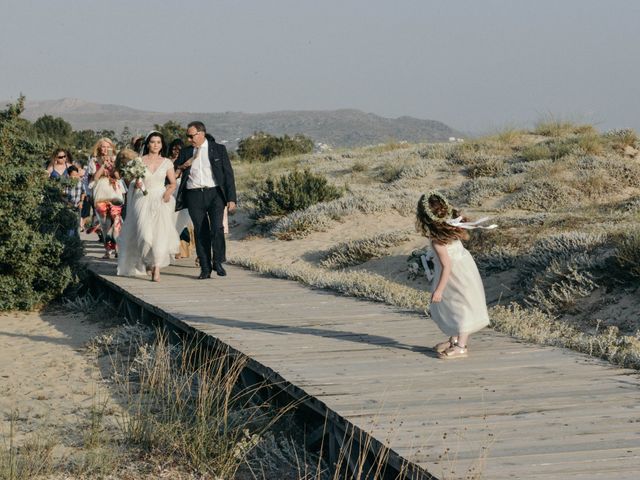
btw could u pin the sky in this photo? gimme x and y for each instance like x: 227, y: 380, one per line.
x: 479, y: 66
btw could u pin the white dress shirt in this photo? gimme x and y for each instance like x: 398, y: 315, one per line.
x: 200, y: 175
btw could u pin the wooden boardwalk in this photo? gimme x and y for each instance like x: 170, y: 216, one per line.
x: 534, y: 412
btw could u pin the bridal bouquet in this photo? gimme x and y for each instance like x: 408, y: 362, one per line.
x: 136, y: 169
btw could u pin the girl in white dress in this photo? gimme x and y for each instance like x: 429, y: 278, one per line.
x: 149, y: 238
x: 458, y: 304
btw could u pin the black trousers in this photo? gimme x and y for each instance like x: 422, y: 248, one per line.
x: 206, y: 209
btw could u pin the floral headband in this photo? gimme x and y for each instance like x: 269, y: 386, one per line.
x: 427, y: 208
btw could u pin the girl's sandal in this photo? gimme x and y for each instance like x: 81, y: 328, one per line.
x: 443, y: 346
x: 455, y: 351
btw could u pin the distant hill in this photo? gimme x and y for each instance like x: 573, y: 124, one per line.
x: 339, y: 128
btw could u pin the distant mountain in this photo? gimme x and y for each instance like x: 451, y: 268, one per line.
x: 339, y: 128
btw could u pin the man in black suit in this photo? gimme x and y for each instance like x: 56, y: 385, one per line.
x: 207, y: 186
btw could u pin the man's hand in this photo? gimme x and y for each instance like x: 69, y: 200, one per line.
x: 231, y: 207
x: 186, y: 165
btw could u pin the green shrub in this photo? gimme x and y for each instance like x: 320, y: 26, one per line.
x: 295, y: 191
x: 263, y: 147
x: 38, y: 257
x: 53, y: 128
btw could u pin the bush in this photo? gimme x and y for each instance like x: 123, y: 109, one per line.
x: 53, y: 128
x: 38, y: 257
x: 560, y: 128
x: 627, y: 252
x: 295, y: 191
x: 541, y: 195
x: 359, y: 166
x: 560, y: 270
x: 486, y: 166
x: 622, y: 138
x: 389, y: 171
x: 318, y: 217
x: 263, y: 147
x: 532, y: 153
x: 474, y: 192
x: 356, y: 252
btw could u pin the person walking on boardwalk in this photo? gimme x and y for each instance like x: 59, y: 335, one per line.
x: 108, y: 194
x: 149, y: 237
x: 207, y: 187
x: 458, y: 304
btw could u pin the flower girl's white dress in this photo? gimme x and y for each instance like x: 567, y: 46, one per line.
x: 149, y: 236
x: 463, y: 308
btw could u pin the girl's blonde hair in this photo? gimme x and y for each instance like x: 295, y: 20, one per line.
x: 96, y: 147
x: 431, y: 219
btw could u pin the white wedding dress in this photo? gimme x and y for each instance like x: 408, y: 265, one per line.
x: 149, y: 236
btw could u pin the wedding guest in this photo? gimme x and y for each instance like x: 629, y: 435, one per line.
x: 59, y: 163
x: 149, y: 237
x: 74, y: 193
x: 187, y: 239
x: 108, y: 195
x: 122, y: 159
x: 458, y: 304
x: 136, y: 144
x: 86, y: 212
x: 174, y: 149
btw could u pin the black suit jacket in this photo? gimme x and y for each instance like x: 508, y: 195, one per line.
x: 220, y: 167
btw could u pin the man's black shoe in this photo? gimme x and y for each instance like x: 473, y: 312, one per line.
x: 204, y: 275
x: 220, y: 270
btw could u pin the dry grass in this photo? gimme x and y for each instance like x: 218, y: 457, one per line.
x: 355, y: 283
x: 537, y: 327
x: 627, y: 251
x: 552, y: 127
x: 31, y: 459
x: 362, y: 250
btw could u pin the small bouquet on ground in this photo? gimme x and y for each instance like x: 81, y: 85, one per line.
x: 136, y: 169
x: 419, y: 263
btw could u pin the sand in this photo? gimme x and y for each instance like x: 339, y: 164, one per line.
x: 48, y: 380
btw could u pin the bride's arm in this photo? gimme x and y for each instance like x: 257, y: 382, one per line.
x: 171, y: 186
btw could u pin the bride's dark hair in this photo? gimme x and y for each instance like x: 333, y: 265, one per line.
x: 145, y: 148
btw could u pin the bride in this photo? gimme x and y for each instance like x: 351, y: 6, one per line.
x: 149, y: 238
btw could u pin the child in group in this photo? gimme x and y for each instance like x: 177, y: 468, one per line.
x: 74, y: 193
x: 458, y: 304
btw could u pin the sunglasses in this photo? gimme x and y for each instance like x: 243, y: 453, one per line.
x: 192, y: 135
x: 62, y: 156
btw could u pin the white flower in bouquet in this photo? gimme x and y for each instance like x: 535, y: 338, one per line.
x: 136, y: 169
